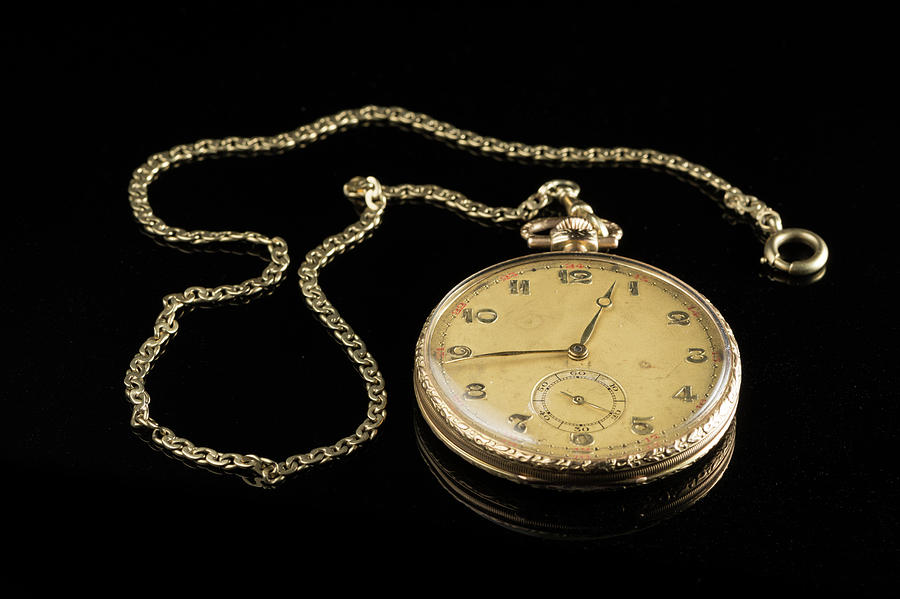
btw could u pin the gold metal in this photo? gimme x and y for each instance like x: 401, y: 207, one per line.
x: 804, y: 267
x: 634, y: 347
x: 574, y: 235
x: 578, y: 351
x: 530, y: 230
x: 582, y: 231
x: 264, y: 471
x: 569, y: 516
x: 567, y: 193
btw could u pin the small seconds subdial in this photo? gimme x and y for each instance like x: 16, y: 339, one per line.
x: 581, y: 402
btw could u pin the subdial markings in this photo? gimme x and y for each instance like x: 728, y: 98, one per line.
x: 578, y: 401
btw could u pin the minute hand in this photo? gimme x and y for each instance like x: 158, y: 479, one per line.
x: 604, y: 301
x: 510, y: 353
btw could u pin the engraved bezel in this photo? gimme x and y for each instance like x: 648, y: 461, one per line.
x: 674, y: 451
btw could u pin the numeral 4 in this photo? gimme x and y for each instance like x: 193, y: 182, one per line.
x: 685, y: 394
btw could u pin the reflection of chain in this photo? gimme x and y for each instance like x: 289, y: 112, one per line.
x: 268, y: 471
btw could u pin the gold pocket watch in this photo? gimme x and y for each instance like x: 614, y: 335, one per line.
x: 577, y: 369
x: 569, y: 368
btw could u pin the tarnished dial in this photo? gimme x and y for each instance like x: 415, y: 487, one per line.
x: 577, y: 370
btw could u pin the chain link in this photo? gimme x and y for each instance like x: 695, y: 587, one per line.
x: 262, y: 471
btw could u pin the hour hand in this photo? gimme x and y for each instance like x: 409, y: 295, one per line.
x: 604, y: 301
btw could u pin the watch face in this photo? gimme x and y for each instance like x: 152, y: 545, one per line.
x: 577, y: 369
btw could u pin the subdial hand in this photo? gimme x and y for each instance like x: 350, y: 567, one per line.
x: 580, y: 400
x: 605, y: 301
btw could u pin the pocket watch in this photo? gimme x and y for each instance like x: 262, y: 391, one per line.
x: 570, y: 368
x: 577, y: 369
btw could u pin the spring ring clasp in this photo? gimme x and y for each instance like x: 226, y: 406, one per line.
x: 806, y: 266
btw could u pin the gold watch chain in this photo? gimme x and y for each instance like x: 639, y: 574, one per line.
x: 263, y: 471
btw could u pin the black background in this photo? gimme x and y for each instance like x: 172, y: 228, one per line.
x: 795, y: 113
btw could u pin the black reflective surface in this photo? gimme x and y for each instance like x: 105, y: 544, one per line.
x: 809, y: 494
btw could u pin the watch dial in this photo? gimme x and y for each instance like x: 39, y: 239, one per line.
x: 583, y: 357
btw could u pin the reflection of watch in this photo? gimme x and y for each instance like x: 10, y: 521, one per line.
x: 546, y: 513
x: 572, y: 368
x: 526, y: 394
